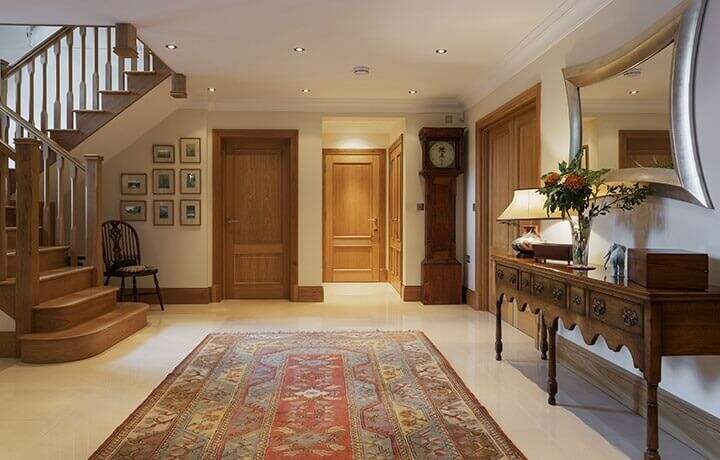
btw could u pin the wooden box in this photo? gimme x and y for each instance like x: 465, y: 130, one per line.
x: 668, y: 269
x: 553, y: 251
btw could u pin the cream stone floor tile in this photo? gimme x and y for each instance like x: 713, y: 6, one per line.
x: 65, y: 411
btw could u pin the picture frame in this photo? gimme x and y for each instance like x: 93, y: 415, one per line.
x: 133, y: 210
x: 190, y: 150
x: 163, y: 181
x: 163, y: 153
x: 133, y: 184
x: 190, y: 181
x: 164, y: 213
x: 190, y: 212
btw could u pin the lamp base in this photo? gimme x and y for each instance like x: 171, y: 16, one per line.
x: 524, y: 243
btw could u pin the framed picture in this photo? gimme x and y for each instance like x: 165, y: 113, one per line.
x: 190, y: 181
x: 189, y: 212
x: 163, y: 181
x: 164, y: 212
x: 133, y: 184
x: 189, y: 150
x: 163, y: 154
x: 133, y: 210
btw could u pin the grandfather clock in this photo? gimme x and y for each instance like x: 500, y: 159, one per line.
x: 443, y: 150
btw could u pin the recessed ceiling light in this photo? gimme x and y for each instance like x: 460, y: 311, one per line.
x: 211, y: 89
x: 171, y: 46
x: 305, y: 90
x: 441, y: 51
x: 634, y: 92
x: 299, y: 49
x: 413, y: 91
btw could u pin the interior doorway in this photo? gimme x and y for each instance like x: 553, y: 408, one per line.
x: 508, y: 158
x: 354, y: 215
x: 395, y: 217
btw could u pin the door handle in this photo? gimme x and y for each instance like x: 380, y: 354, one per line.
x: 374, y: 224
x: 232, y: 221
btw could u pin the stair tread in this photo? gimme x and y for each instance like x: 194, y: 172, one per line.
x: 97, y: 324
x: 51, y: 274
x: 76, y: 297
x: 44, y: 249
x: 14, y: 229
x: 116, y: 91
x: 142, y: 72
x: 90, y: 111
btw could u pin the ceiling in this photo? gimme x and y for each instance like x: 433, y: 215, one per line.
x: 244, y: 47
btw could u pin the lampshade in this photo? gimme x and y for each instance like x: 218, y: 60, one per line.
x: 527, y: 204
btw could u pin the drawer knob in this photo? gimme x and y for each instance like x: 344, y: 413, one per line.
x: 539, y: 286
x: 557, y: 293
x: 630, y: 317
x: 599, y: 307
x: 577, y: 300
x: 500, y: 274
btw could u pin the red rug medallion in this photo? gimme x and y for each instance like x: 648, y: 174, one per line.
x: 306, y: 396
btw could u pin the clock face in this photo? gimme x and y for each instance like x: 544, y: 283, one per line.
x: 442, y: 154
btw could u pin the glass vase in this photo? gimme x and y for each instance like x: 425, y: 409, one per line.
x: 580, y: 227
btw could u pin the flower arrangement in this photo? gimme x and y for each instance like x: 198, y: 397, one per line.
x: 581, y: 195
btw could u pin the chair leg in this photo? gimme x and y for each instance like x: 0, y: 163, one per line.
x: 107, y: 280
x: 135, y: 291
x: 157, y: 290
x: 121, y: 292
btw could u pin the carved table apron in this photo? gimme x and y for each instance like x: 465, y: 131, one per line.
x: 650, y: 323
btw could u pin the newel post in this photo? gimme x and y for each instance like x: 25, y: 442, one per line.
x: 93, y: 212
x: 27, y: 258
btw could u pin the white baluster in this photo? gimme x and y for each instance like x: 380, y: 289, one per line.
x: 83, y: 70
x: 70, y: 98
x: 96, y: 70
x: 108, y: 61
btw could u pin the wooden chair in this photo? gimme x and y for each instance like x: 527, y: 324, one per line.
x: 121, y: 254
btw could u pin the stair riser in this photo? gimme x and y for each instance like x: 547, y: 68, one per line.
x: 48, y: 261
x: 67, y: 139
x: 141, y: 84
x: 117, y: 102
x: 88, y: 123
x: 57, y: 319
x: 49, y: 289
x: 12, y: 238
x: 76, y: 348
x: 11, y: 215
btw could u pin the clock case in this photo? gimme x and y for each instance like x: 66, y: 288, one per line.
x: 441, y: 272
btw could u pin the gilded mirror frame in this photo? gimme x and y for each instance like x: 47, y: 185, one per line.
x: 680, y: 27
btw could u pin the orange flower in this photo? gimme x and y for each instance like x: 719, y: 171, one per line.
x: 552, y: 179
x: 574, y: 182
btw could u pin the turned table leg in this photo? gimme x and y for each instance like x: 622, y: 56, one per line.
x: 498, y: 329
x: 653, y: 443
x: 543, y: 338
x: 552, y: 386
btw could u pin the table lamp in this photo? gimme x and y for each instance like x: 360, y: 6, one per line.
x: 527, y: 204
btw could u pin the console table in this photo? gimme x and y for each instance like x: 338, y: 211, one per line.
x: 650, y: 323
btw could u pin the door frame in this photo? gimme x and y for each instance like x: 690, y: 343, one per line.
x: 398, y: 143
x: 518, y: 104
x: 218, y: 202
x: 383, y: 277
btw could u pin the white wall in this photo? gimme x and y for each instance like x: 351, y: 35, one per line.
x: 661, y: 223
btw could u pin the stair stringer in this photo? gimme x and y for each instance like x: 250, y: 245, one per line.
x: 139, y: 118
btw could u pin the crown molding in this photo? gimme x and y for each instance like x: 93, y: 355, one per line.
x: 327, y: 105
x: 561, y: 22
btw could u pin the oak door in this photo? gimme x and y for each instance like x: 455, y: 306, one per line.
x: 353, y: 216
x: 644, y: 148
x: 514, y: 163
x: 257, y: 218
x: 395, y: 207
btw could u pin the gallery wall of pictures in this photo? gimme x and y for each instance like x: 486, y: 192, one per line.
x: 163, y: 179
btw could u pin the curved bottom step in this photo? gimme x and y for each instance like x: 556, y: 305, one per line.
x: 86, y: 339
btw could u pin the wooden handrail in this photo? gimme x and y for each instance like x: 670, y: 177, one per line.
x: 38, y: 49
x: 54, y: 146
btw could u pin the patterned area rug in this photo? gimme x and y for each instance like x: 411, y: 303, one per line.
x: 338, y: 395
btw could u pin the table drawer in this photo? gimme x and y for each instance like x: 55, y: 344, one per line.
x: 506, y: 277
x: 578, y: 300
x: 525, y: 283
x: 616, y: 312
x: 550, y: 291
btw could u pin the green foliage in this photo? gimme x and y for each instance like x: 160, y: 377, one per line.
x: 574, y: 190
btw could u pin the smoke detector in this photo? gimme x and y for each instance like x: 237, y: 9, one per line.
x: 633, y: 73
x: 361, y: 70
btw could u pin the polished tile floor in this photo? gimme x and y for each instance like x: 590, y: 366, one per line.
x: 65, y: 411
